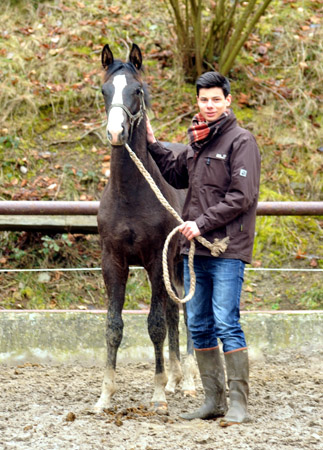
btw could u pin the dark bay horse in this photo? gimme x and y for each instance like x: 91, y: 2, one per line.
x: 133, y: 226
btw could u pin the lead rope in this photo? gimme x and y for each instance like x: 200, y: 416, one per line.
x: 216, y: 248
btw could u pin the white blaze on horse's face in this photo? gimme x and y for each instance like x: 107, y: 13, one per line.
x: 116, y: 115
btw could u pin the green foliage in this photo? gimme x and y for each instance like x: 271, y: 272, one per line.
x: 138, y: 290
x: 244, y: 114
x: 9, y: 142
x: 19, y: 3
x: 280, y: 239
x: 312, y: 299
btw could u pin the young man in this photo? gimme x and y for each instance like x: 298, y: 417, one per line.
x: 221, y: 170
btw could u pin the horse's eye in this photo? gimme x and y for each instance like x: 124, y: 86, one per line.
x: 138, y: 91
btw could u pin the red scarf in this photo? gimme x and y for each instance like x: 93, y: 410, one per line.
x: 201, y: 132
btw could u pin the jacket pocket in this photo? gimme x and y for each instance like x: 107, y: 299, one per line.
x: 215, y: 171
x: 236, y: 226
x: 218, y: 233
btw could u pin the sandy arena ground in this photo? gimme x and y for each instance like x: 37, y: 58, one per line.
x: 45, y: 407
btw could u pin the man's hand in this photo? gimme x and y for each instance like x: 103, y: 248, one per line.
x: 150, y: 134
x: 190, y: 230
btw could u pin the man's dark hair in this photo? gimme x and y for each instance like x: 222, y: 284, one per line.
x: 213, y: 79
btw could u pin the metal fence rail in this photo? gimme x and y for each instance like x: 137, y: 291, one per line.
x: 80, y: 217
x: 71, y: 208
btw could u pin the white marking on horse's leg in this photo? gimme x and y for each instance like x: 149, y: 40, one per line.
x: 108, y: 389
x: 190, y: 372
x: 159, y: 397
x: 116, y: 116
x: 174, y: 374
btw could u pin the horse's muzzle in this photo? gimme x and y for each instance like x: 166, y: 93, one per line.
x: 117, y: 138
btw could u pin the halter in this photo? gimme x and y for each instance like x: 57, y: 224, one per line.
x: 132, y: 117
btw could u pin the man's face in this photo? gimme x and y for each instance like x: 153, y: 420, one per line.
x: 212, y: 103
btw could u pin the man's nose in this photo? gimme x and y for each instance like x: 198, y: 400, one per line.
x: 209, y: 103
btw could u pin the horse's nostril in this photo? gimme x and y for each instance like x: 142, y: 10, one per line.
x: 109, y: 136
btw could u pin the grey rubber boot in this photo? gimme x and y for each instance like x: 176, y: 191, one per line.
x: 237, y: 365
x: 213, y: 380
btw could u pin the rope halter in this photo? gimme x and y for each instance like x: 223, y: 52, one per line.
x: 132, y: 117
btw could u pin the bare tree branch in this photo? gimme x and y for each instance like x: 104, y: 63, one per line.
x: 207, y: 32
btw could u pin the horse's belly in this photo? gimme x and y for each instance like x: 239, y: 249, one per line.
x: 133, y: 240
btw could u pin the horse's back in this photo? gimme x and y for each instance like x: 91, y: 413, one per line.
x: 175, y: 147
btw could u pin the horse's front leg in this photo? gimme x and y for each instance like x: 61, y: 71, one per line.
x: 190, y: 369
x: 115, y: 279
x: 157, y: 333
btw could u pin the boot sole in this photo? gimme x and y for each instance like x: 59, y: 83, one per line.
x: 210, y: 417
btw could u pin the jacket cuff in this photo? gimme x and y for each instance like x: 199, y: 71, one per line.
x: 153, y: 148
x: 200, y: 222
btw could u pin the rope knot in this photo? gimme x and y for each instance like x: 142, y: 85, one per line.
x: 219, y: 246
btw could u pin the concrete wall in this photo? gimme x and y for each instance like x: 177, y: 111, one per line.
x: 57, y: 337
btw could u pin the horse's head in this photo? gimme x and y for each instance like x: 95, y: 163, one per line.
x: 124, y: 94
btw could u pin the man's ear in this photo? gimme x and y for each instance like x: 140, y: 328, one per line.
x: 228, y: 99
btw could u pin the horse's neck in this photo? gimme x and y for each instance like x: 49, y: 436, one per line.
x: 125, y: 177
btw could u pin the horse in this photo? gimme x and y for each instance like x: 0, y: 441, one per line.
x: 133, y: 226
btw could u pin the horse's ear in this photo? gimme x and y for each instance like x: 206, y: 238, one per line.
x: 106, y: 57
x: 135, y: 56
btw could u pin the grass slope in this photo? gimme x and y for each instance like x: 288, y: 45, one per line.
x: 52, y: 143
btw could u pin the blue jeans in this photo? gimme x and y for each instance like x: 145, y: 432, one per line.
x: 214, y: 310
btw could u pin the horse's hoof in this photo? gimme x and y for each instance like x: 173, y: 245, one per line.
x: 170, y: 389
x: 160, y: 408
x: 171, y: 385
x: 99, y: 407
x: 188, y: 393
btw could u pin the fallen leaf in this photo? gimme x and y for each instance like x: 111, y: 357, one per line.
x: 248, y: 289
x: 262, y: 50
x: 114, y: 9
x: 303, y: 65
x: 256, y: 264
x: 243, y: 99
x: 300, y: 254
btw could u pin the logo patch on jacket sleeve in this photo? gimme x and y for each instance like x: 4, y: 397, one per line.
x: 243, y: 173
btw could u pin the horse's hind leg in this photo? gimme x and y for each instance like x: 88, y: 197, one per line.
x: 157, y: 333
x: 175, y: 371
x: 115, y: 278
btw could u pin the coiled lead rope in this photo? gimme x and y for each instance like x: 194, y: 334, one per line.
x: 218, y: 246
